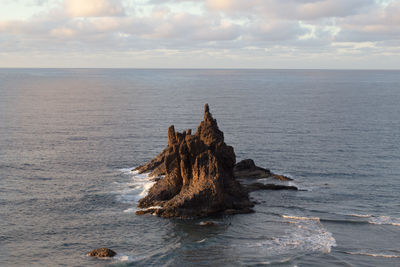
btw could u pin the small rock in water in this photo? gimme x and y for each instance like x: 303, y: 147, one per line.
x: 207, y: 223
x: 102, y: 253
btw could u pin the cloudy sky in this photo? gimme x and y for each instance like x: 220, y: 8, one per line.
x: 349, y: 34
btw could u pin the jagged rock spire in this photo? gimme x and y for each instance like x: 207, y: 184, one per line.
x: 198, y: 172
x: 208, y: 130
x: 206, y: 108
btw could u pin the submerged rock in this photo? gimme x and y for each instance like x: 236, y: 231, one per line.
x: 261, y: 186
x: 199, y: 179
x: 102, y: 253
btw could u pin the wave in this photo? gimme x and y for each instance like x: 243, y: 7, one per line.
x: 380, y: 220
x: 385, y: 220
x: 305, y: 234
x: 310, y: 234
x: 374, y: 254
x: 301, y: 218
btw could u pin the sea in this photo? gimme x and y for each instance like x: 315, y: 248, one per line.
x: 69, y: 139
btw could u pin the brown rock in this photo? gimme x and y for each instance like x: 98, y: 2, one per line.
x: 198, y: 171
x: 281, y: 177
x: 102, y: 253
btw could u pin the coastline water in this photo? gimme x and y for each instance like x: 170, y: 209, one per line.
x: 69, y: 139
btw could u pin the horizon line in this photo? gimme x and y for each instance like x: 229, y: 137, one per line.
x: 139, y: 68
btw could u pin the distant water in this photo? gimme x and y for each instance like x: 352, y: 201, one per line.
x: 69, y: 137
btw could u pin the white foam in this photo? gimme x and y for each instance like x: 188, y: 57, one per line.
x: 309, y: 235
x: 133, y: 190
x: 129, y: 170
x: 124, y: 258
x: 285, y: 260
x: 152, y: 208
x: 301, y: 218
x: 384, y: 220
x: 374, y: 254
x: 130, y: 210
x: 305, y: 234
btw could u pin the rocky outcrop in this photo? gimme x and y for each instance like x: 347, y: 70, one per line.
x: 248, y: 169
x: 102, y: 253
x: 199, y: 178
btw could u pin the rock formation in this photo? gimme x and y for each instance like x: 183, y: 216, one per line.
x: 102, y: 253
x: 199, y: 179
x: 248, y: 169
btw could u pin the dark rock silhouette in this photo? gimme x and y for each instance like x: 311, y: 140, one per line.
x: 248, y: 169
x: 199, y: 179
x: 102, y: 253
x: 260, y: 186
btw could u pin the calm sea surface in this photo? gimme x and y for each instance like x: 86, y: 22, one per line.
x: 68, y: 138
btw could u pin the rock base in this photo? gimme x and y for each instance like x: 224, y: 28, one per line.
x: 102, y: 253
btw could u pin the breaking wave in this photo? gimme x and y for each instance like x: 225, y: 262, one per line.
x: 305, y: 234
x: 381, y: 220
x: 133, y: 190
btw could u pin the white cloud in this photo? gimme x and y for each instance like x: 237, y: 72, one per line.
x: 93, y: 8
x: 380, y: 24
x: 289, y: 30
x: 62, y: 32
x: 290, y: 9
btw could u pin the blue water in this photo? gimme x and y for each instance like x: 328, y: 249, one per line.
x: 68, y: 138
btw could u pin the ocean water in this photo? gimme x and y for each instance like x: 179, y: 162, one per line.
x: 69, y: 138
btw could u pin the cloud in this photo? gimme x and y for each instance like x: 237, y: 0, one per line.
x: 380, y: 24
x: 93, y: 8
x: 248, y: 29
x: 62, y: 32
x: 291, y: 9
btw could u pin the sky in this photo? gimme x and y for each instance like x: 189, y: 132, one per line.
x: 277, y: 34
